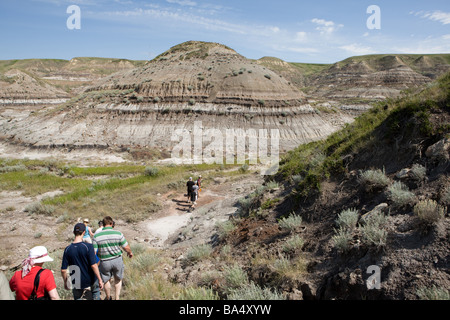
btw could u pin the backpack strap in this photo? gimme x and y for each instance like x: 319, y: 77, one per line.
x: 36, y: 284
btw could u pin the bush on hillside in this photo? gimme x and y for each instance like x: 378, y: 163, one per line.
x: 429, y: 211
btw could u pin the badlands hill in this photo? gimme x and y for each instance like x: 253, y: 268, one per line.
x: 120, y: 104
x: 207, y: 73
x: 194, y: 82
x: 371, y: 77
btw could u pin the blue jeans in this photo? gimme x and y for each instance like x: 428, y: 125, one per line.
x: 95, y: 290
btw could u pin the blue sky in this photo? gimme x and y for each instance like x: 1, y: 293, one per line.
x: 314, y: 31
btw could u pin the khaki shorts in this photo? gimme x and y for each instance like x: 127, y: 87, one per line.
x: 110, y: 268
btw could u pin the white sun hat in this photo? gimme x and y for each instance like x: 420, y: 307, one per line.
x: 39, y: 254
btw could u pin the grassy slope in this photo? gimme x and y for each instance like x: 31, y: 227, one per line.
x: 316, y: 161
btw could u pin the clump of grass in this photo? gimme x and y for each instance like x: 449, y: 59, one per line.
x: 347, y: 219
x: 429, y: 211
x: 400, y: 195
x: 254, y: 292
x: 342, y: 240
x: 418, y: 172
x: 199, y: 252
x: 225, y: 251
x: 287, y: 269
x: 143, y: 281
x: 293, y: 243
x: 374, y: 179
x: 151, y: 171
x: 374, y: 232
x: 39, y: 208
x: 199, y: 293
x: 143, y: 262
x: 246, y: 205
x: 235, y: 277
x: 13, y: 168
x: 225, y: 228
x: 272, y: 185
x: 291, y: 222
x: 433, y: 293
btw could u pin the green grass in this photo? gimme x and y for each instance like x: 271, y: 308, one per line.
x: 33, y: 183
x: 310, y: 68
x: 123, y: 190
x: 109, y: 170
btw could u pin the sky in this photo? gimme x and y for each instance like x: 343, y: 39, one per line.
x: 313, y: 31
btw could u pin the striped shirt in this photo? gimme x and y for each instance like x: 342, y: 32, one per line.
x: 108, y: 243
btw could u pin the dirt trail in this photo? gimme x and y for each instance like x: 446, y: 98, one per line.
x: 177, y: 225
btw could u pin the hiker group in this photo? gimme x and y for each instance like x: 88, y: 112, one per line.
x: 193, y: 190
x: 88, y: 265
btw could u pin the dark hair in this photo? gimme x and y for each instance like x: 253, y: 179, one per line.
x: 108, y: 221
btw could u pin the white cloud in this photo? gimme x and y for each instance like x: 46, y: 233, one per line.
x: 189, y: 19
x: 427, y: 46
x: 183, y: 2
x: 356, y: 49
x: 302, y: 50
x: 326, y: 27
x: 443, y: 17
x: 439, y: 16
x: 301, y: 36
x: 274, y: 29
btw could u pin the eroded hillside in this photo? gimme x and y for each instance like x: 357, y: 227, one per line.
x: 194, y: 82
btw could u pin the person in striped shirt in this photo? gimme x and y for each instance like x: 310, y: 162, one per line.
x: 108, y: 243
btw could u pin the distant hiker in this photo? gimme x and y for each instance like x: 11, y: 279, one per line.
x: 108, y: 244
x: 199, y: 184
x: 100, y: 227
x: 81, y: 260
x: 189, y: 185
x: 194, y: 195
x: 87, y: 236
x: 23, y: 281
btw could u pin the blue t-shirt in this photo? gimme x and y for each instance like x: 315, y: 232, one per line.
x: 87, y: 234
x: 82, y: 256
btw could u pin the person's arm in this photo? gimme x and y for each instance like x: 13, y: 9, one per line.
x: 54, y: 294
x: 128, y: 251
x: 50, y: 284
x: 65, y: 277
x: 97, y: 274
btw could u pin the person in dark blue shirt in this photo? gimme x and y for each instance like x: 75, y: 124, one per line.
x: 80, y: 258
